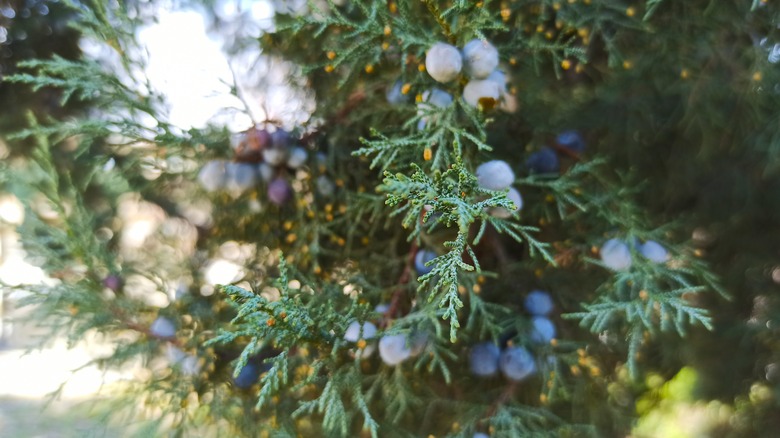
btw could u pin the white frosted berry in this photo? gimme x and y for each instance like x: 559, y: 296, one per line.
x: 538, y: 303
x: 212, y: 176
x: 297, y: 157
x: 163, y: 327
x: 543, y: 330
x: 480, y: 58
x: 481, y: 435
x: 495, y: 175
x: 353, y: 333
x: 275, y: 155
x: 483, y: 359
x: 616, y: 255
x: 393, y: 349
x: 240, y: 177
x: 443, y: 62
x: 654, y: 252
x: 481, y: 93
x: 516, y: 363
x: 502, y: 212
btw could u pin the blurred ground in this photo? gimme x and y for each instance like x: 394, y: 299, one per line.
x: 27, y: 376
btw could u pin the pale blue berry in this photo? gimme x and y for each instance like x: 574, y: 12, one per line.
x: 443, y: 62
x: 516, y: 363
x: 393, y: 349
x: 538, y: 303
x: 265, y: 171
x: 654, y: 252
x: 163, y: 327
x: 422, y: 257
x: 382, y: 308
x: 395, y: 95
x: 542, y: 331
x: 212, y: 176
x: 240, y: 177
x: 187, y: 363
x: 483, y: 359
x: 495, y: 175
x: 297, y: 157
x: 499, y: 78
x: 480, y: 57
x: 481, y: 435
x: 616, y: 255
x: 190, y: 365
x: 437, y: 98
x: 431, y: 99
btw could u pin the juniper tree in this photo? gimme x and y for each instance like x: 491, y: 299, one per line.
x: 499, y: 217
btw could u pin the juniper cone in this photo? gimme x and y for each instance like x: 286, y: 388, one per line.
x: 228, y: 192
x: 481, y: 93
x: 443, y: 62
x: 481, y: 58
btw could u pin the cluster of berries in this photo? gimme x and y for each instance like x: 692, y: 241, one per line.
x: 498, y: 175
x: 260, y: 155
x: 545, y: 160
x: 479, y: 59
x: 616, y: 254
x: 393, y: 348
x: 516, y: 362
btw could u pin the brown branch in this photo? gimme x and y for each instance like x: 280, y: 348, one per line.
x: 508, y: 392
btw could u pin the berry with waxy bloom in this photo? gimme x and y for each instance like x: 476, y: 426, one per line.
x: 443, y: 62
x: 480, y: 58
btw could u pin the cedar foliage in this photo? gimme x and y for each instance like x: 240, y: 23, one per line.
x: 677, y: 103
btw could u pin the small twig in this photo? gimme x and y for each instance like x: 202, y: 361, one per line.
x: 406, y: 275
x: 434, y: 10
x: 566, y: 151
